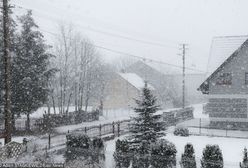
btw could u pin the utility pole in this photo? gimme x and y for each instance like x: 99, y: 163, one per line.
x: 183, y: 48
x: 6, y: 51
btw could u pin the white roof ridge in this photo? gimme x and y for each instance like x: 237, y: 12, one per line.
x: 135, y: 80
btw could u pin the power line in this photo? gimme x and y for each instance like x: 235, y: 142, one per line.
x: 116, y: 35
x: 132, y: 55
x: 124, y: 53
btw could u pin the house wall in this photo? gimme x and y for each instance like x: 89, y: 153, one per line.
x: 227, y: 107
x: 120, y: 94
x: 229, y: 102
x: 169, y: 86
x: 238, y: 66
x: 163, y: 86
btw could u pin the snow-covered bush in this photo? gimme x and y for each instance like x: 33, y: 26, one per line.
x: 163, y: 154
x: 97, y: 151
x: 77, y: 146
x: 122, y: 155
x: 80, y: 148
x: 180, y: 131
x: 97, y: 143
x: 244, y: 163
x: 212, y: 157
x: 188, y: 157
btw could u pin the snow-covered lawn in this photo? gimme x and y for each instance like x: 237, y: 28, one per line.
x: 17, y: 139
x: 232, y: 148
x: 42, y: 110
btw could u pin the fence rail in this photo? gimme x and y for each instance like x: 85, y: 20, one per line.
x: 114, y: 128
x: 204, y: 127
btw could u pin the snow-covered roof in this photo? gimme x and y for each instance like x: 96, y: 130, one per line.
x: 169, y: 69
x: 231, y: 47
x: 135, y: 80
x: 223, y: 47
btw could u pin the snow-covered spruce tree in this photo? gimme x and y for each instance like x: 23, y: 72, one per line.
x: 30, y: 71
x: 142, y: 156
x: 188, y: 157
x: 244, y: 163
x: 212, y: 157
x: 146, y: 127
x: 163, y: 154
x: 122, y: 155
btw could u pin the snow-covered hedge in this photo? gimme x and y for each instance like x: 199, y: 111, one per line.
x: 180, y: 131
x: 212, y: 157
x: 122, y: 155
x: 163, y: 154
x: 81, y: 147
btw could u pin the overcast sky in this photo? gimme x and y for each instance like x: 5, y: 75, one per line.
x: 167, y: 22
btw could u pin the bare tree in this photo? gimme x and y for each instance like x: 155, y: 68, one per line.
x: 80, y: 72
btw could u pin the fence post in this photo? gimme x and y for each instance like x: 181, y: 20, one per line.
x: 113, y: 127
x: 49, y: 141
x: 100, y: 130
x: 200, y: 127
x: 85, y: 130
x: 118, y: 129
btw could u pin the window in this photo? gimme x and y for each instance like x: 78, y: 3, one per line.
x: 246, y: 78
x: 225, y: 79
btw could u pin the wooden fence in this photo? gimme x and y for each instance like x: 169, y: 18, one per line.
x: 115, y: 128
x: 173, y: 117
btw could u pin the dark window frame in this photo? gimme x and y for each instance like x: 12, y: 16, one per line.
x: 224, y: 79
x: 246, y: 78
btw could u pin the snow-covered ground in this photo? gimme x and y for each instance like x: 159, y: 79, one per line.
x: 198, y: 111
x: 118, y: 113
x: 16, y: 139
x: 232, y: 148
x: 42, y: 110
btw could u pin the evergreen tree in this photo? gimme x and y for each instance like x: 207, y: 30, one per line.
x: 244, y: 163
x: 30, y: 69
x: 188, y: 157
x: 122, y: 154
x: 163, y: 155
x: 212, y: 157
x: 146, y: 127
x: 142, y: 156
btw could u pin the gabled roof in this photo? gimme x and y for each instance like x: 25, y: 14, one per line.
x: 166, y: 69
x: 205, y: 85
x: 135, y: 80
x: 221, y: 48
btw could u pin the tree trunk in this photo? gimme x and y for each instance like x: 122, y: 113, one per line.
x: 48, y: 108
x: 13, y: 122
x: 54, y: 109
x: 28, y: 123
x: 75, y: 92
x: 69, y: 100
